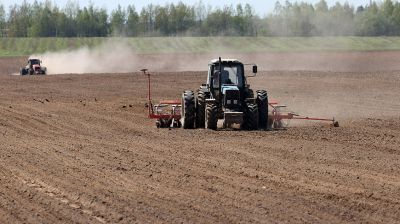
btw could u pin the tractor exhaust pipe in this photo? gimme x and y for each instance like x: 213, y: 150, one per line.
x: 220, y: 77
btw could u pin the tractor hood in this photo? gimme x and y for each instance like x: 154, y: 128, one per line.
x: 224, y: 88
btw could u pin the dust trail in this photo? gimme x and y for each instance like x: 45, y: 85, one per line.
x: 118, y: 56
x: 110, y: 57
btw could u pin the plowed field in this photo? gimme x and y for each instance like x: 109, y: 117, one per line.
x: 80, y: 149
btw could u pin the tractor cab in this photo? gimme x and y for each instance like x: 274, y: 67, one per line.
x: 226, y: 80
x: 32, y: 62
x: 226, y: 72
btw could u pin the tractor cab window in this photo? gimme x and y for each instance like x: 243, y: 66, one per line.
x: 34, y: 62
x: 230, y: 75
x: 216, y: 79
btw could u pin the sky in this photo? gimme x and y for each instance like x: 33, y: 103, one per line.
x: 262, y: 7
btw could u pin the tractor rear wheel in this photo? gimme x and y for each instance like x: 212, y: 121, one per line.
x: 262, y: 103
x: 211, y: 117
x: 201, y: 109
x: 188, y: 110
x: 250, y: 121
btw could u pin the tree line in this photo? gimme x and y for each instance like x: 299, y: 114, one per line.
x: 304, y: 19
x: 44, y: 19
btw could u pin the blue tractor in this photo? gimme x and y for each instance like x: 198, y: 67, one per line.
x: 226, y: 96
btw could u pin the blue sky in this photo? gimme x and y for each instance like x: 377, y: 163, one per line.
x: 262, y: 7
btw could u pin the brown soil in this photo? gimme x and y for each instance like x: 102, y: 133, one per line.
x: 80, y: 149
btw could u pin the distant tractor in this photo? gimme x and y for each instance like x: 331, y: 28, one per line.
x: 226, y: 96
x: 33, y: 67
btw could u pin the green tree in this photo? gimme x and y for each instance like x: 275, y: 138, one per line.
x: 240, y: 22
x: 219, y: 22
x: 20, y: 19
x: 249, y: 18
x: 132, y: 23
x: 3, y: 29
x: 300, y: 20
x: 147, y: 17
x: 182, y: 18
x: 162, y: 23
x: 44, y: 20
x: 369, y: 22
x: 68, y: 19
x: 387, y: 17
x: 118, y: 22
x: 201, y: 13
x: 92, y: 22
x: 341, y: 20
x: 322, y: 19
x: 396, y: 19
x: 321, y: 7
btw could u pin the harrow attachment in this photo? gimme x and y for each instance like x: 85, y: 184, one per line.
x: 279, y: 117
x: 167, y: 113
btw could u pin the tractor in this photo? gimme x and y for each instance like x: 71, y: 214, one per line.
x: 33, y: 67
x: 226, y: 96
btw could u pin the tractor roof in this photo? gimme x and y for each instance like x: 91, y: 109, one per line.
x: 225, y: 60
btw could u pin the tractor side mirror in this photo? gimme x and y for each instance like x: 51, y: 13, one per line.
x: 254, y: 69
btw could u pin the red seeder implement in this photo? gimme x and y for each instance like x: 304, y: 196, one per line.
x: 168, y: 113
x: 278, y: 119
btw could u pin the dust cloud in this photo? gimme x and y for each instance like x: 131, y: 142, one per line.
x: 118, y: 56
x: 110, y: 57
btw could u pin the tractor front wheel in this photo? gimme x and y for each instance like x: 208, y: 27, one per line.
x: 211, y: 117
x: 23, y: 71
x: 201, y: 109
x: 188, y: 110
